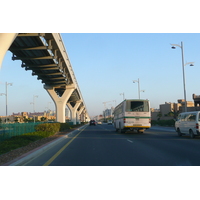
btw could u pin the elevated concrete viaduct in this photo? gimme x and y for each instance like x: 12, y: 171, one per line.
x: 46, y: 56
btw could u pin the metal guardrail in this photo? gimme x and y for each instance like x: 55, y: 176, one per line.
x: 9, y: 130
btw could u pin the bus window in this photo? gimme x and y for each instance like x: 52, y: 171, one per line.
x: 137, y: 106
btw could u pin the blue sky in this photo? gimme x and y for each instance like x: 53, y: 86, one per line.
x: 105, y: 65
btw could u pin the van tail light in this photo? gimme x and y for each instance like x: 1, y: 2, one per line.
x: 197, y: 126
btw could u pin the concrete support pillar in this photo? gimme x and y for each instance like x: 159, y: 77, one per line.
x: 83, y: 115
x: 80, y: 113
x: 6, y: 39
x: 88, y: 117
x: 60, y: 102
x: 74, y: 111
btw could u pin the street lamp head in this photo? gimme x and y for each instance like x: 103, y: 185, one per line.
x: 9, y: 84
x: 173, y: 47
x: 189, y: 63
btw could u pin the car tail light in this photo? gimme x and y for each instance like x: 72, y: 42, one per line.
x: 197, y: 126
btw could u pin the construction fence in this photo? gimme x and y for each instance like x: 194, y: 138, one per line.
x: 9, y: 130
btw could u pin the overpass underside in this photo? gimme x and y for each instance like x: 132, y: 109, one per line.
x: 45, y: 55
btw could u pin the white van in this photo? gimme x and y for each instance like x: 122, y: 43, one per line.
x: 188, y: 123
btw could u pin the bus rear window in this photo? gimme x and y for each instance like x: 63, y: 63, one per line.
x: 137, y: 106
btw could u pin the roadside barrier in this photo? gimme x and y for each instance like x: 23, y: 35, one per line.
x: 9, y: 130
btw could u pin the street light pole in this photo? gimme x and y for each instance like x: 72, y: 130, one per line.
x: 183, y: 69
x: 123, y: 95
x: 139, y: 87
x: 7, y: 98
x: 183, y: 76
x: 6, y: 94
x: 138, y: 81
x: 33, y: 106
x: 34, y: 102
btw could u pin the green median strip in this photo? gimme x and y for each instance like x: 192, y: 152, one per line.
x: 42, y: 131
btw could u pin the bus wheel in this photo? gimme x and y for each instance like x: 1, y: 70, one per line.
x: 179, y: 132
x: 116, y: 129
x: 140, y: 131
x: 191, y: 133
x: 122, y: 131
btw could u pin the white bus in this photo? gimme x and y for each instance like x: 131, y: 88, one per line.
x: 132, y: 114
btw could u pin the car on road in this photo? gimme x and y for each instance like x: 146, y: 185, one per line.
x: 109, y: 122
x: 92, y: 122
x: 99, y: 122
x: 188, y: 123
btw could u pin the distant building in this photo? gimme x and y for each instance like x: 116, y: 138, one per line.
x: 196, y: 99
x: 98, y: 117
x: 165, y: 111
x: 190, y: 105
x: 19, y: 117
x: 108, y: 112
x: 170, y: 110
x: 154, y: 113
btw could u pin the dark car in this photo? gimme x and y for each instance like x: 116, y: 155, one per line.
x: 92, y: 122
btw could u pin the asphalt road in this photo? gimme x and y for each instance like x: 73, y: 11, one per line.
x: 101, y: 146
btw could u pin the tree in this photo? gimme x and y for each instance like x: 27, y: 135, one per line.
x: 25, y: 119
x: 173, y: 114
x: 159, y: 115
x: 43, y: 119
x: 16, y: 119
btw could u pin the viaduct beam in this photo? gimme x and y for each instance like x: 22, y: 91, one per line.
x: 6, y: 39
x: 60, y: 102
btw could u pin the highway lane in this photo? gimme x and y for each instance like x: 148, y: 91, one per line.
x: 101, y: 146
